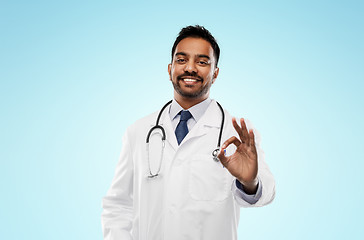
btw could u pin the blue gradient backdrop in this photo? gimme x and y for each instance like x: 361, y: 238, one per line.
x: 75, y: 74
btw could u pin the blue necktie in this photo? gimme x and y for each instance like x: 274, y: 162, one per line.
x: 182, y: 130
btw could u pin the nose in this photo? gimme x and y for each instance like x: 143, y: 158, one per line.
x: 190, y: 67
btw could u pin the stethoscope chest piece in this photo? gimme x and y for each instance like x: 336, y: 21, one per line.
x: 151, y: 176
x: 215, y: 153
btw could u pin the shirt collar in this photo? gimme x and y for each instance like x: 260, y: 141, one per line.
x: 197, y: 110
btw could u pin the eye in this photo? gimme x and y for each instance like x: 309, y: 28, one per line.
x: 203, y: 63
x: 180, y: 60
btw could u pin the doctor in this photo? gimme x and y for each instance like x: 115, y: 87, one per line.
x: 174, y: 189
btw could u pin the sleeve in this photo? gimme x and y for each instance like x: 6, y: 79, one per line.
x: 117, y: 214
x: 266, y: 180
x: 250, y: 198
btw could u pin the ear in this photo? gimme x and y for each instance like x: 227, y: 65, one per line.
x: 216, y: 73
x: 169, y: 71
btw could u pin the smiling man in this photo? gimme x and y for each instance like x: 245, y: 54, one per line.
x: 193, y: 70
x: 174, y: 179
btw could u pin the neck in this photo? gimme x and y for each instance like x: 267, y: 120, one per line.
x: 186, y: 103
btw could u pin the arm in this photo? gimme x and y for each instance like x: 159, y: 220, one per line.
x: 248, y: 166
x: 117, y: 214
x: 266, y: 182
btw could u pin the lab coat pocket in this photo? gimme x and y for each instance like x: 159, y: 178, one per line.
x: 208, y: 180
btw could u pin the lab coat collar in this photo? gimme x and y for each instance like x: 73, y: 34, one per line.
x: 211, y: 118
x: 197, y: 111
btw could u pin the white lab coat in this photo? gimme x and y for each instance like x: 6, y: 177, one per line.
x: 193, y: 198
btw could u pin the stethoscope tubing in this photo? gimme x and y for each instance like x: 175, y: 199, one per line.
x: 157, y: 126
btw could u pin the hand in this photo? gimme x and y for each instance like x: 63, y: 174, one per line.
x: 243, y: 164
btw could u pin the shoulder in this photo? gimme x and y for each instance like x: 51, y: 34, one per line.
x: 144, y: 122
x: 143, y: 125
x: 137, y: 131
x: 149, y: 119
x: 217, y: 105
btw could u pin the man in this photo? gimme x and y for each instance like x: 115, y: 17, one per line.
x: 181, y: 192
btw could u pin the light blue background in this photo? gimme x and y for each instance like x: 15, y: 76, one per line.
x: 75, y: 74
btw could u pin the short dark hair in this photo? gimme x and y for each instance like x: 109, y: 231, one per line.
x: 198, y: 31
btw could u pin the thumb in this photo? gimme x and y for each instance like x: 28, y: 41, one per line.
x: 223, y: 159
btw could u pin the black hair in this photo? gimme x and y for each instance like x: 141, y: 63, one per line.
x: 198, y: 31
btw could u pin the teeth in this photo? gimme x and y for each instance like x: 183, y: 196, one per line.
x: 189, y: 80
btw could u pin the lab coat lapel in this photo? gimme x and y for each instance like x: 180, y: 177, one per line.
x: 170, y: 135
x: 211, y: 118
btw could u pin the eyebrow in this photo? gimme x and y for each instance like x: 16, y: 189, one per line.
x: 181, y: 53
x: 198, y: 55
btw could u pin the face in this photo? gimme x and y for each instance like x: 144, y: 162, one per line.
x: 193, y: 70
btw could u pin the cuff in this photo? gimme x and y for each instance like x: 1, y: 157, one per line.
x: 252, y: 199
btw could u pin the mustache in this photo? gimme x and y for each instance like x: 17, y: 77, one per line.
x: 194, y: 75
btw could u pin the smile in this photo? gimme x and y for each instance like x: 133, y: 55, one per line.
x: 189, y: 80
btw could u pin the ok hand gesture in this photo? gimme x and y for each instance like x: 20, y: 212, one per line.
x: 243, y: 164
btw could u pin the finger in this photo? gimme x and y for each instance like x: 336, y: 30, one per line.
x: 238, y: 130
x: 231, y: 140
x: 245, y: 131
x: 251, y: 137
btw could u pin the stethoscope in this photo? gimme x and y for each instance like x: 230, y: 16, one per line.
x: 157, y: 126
